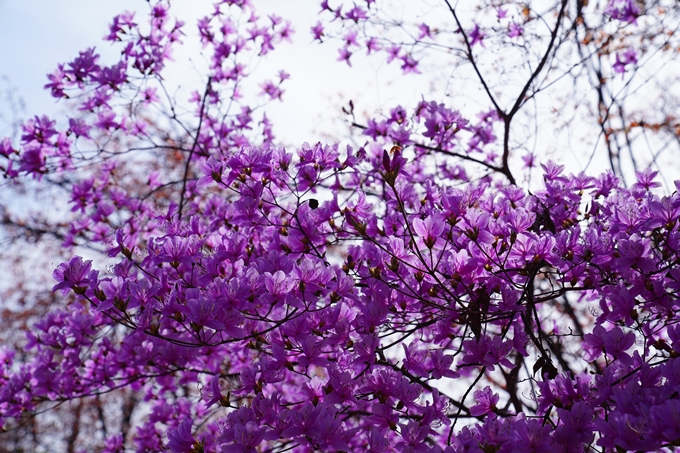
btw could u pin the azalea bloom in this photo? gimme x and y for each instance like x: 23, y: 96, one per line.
x: 477, y: 36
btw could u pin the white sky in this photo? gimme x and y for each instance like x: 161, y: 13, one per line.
x: 36, y: 35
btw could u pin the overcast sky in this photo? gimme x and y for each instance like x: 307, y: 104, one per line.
x: 36, y: 35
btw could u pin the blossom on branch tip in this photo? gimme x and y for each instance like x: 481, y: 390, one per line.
x: 372, y: 45
x: 624, y: 10
x: 486, y: 402
x: 393, y: 52
x: 624, y: 59
x: 181, y: 440
x: 614, y: 343
x: 345, y: 55
x: 424, y: 31
x: 430, y: 230
x: 74, y: 275
x: 515, y: 30
x: 409, y: 64
x: 477, y: 36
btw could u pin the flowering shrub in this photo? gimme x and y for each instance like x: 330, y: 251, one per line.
x: 358, y: 298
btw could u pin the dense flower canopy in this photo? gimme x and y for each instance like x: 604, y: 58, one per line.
x: 406, y: 293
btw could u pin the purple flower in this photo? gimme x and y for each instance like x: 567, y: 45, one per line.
x: 58, y: 82
x: 624, y: 59
x: 383, y: 417
x: 521, y: 220
x: 515, y: 30
x: 424, y: 31
x: 553, y: 171
x: 635, y: 252
x: 345, y: 55
x: 430, y: 230
x: 84, y: 65
x: 625, y: 10
x: 278, y: 284
x: 578, y: 422
x: 212, y: 394
x: 378, y: 441
x: 414, y: 359
x: 112, y: 76
x: 667, y: 419
x: 39, y: 129
x: 487, y: 352
x: 442, y: 124
x: 413, y: 438
x: 477, y: 36
x: 486, y: 402
x: 356, y: 14
x: 114, y: 444
x: 477, y: 221
x: 6, y: 149
x: 74, y: 275
x: 626, y: 432
x: 618, y: 304
x: 393, y: 52
x: 409, y: 64
x: 614, y: 343
x: 351, y: 38
x: 392, y: 166
x: 33, y: 160
x: 372, y: 45
x: 311, y: 353
x: 246, y: 437
x: 272, y: 90
x: 79, y: 127
x: 181, y: 440
x: 398, y: 115
x: 442, y: 365
x: 645, y: 179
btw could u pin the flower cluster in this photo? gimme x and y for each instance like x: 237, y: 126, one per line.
x: 239, y: 295
x: 335, y: 298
